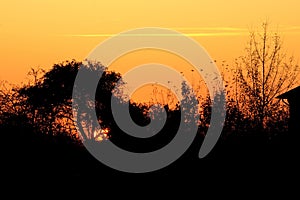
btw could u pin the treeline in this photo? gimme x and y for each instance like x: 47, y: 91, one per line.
x: 38, y: 125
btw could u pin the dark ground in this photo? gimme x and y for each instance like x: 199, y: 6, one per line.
x: 253, y: 159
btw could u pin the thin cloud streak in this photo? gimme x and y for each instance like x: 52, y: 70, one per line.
x: 291, y: 29
x: 211, y: 28
x: 160, y: 35
x: 193, y: 32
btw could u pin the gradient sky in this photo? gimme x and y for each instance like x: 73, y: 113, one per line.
x: 40, y: 33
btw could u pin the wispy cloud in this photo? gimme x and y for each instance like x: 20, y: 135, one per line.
x: 291, y: 29
x: 90, y: 35
x: 187, y: 31
x: 222, y: 28
x: 159, y: 35
x: 193, y: 32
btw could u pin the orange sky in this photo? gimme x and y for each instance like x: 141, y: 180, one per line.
x: 40, y: 33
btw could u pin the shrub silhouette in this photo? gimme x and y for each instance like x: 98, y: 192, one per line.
x: 37, y: 119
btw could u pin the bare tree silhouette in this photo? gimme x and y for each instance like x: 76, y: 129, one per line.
x: 263, y: 73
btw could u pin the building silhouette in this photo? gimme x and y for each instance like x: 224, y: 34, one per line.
x: 293, y: 98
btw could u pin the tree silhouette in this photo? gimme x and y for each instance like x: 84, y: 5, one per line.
x: 38, y: 117
x: 263, y: 73
x: 49, y: 99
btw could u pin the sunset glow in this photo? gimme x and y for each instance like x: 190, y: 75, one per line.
x: 101, y: 135
x: 150, y: 91
x: 40, y: 33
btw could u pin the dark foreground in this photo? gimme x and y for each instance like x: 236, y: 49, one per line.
x: 236, y: 159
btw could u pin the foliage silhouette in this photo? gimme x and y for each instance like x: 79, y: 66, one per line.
x: 263, y: 73
x: 37, y: 118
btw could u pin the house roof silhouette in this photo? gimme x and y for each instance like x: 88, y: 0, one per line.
x: 294, y: 93
x: 293, y: 97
